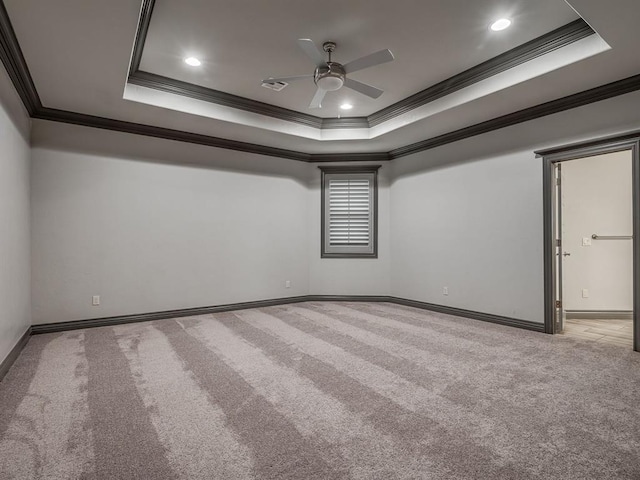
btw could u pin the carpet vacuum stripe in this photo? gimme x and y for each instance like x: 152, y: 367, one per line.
x: 415, y: 400
x: 345, y: 439
x: 193, y: 430
x: 319, y: 390
x: 47, y: 433
x: 125, y: 442
x: 279, y: 450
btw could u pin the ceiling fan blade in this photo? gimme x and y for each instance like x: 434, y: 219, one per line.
x: 293, y: 78
x: 317, y: 98
x: 312, y: 51
x: 363, y: 88
x: 371, y: 60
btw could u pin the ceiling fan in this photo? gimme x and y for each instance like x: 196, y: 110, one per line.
x: 330, y: 76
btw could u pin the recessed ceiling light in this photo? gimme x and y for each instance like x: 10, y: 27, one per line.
x: 346, y: 106
x: 500, y: 24
x: 193, y: 61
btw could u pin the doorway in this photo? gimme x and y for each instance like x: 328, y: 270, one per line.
x: 594, y: 254
x: 591, y: 254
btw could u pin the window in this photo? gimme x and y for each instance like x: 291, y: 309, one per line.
x: 349, y: 212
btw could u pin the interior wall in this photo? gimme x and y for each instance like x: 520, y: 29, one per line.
x: 349, y: 276
x: 153, y: 225
x: 469, y: 216
x: 15, y: 296
x: 597, y: 198
x: 474, y: 230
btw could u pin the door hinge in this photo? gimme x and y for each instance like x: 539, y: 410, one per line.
x: 558, y: 303
x: 558, y: 242
x: 558, y: 181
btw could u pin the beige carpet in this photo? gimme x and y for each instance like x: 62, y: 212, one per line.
x: 320, y: 391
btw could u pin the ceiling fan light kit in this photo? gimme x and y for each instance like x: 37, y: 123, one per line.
x: 330, y: 76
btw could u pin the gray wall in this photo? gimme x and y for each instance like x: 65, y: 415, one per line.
x: 468, y: 215
x: 15, y: 270
x: 475, y: 229
x: 152, y: 225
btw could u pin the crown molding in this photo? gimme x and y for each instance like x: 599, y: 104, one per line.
x: 186, y: 89
x: 64, y: 116
x: 604, y: 92
x: 141, y: 34
x: 15, y: 64
x: 351, y: 157
x: 561, y: 37
x: 558, y: 38
x: 18, y: 71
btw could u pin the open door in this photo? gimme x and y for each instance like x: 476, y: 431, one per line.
x: 558, y: 303
x: 559, y: 317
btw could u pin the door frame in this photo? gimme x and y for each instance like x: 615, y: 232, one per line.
x: 573, y: 152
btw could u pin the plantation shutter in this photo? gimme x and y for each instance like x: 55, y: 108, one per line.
x: 349, y: 212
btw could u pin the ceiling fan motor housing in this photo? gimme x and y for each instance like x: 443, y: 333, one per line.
x: 330, y: 77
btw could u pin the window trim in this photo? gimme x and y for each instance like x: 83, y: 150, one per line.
x: 350, y: 170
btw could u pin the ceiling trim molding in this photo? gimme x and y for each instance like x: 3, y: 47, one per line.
x: 591, y: 146
x: 561, y: 37
x: 141, y: 34
x: 15, y: 64
x: 350, y: 157
x: 18, y: 71
x: 604, y: 92
x: 64, y: 116
x: 186, y: 89
x: 558, y: 38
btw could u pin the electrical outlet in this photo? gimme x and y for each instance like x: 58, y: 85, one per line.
x: 445, y: 290
x: 287, y: 284
x: 586, y: 241
x: 95, y: 300
x: 585, y: 293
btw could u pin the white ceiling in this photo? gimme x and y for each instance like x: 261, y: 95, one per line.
x: 78, y: 52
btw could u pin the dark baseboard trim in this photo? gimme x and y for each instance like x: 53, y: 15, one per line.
x: 459, y: 312
x: 600, y: 314
x: 347, y: 298
x: 187, y: 312
x: 146, y: 317
x: 14, y: 353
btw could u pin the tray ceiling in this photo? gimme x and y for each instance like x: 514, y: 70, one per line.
x: 78, y: 54
x: 242, y: 42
